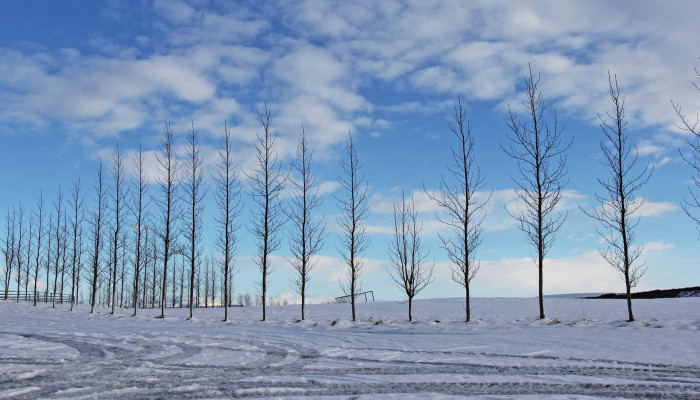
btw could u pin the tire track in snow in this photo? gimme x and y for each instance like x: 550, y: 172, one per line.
x: 292, y: 366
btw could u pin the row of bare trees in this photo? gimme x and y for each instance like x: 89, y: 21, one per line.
x: 31, y: 248
x: 143, y: 237
x: 539, y: 148
x: 125, y: 230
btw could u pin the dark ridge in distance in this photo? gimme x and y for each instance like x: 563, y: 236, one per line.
x: 654, y: 294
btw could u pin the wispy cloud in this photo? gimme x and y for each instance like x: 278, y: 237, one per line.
x: 214, y: 58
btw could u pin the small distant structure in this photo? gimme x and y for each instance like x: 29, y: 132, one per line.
x: 358, y: 296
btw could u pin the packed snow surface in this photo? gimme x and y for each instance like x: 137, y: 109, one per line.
x: 584, y: 350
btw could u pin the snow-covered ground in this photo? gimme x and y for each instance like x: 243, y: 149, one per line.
x: 585, y: 349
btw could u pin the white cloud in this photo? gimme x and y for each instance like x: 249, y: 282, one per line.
x: 658, y: 246
x: 384, y: 203
x: 662, y: 162
x: 328, y: 187
x: 334, y: 269
x: 656, y: 209
x: 505, y: 202
x: 175, y: 10
x: 650, y: 208
x: 379, y: 230
x: 584, y: 273
x: 478, y: 49
x: 646, y: 147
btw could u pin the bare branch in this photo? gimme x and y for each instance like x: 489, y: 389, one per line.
x: 353, y: 213
x: 540, y: 150
x: 407, y: 254
x: 308, y: 231
x: 462, y: 207
x: 228, y: 200
x: 267, y: 182
x: 618, y: 200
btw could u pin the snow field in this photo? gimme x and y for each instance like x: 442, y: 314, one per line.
x: 584, y: 350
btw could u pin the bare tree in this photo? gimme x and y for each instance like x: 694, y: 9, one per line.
x: 58, y: 207
x: 182, y: 280
x: 145, y: 262
x: 157, y: 277
x: 353, y: 212
x: 198, y: 287
x: 47, y: 258
x: 407, y: 254
x: 691, y: 126
x: 619, y: 201
x: 28, y: 256
x: 461, y: 204
x: 207, y: 268
x: 227, y: 197
x: 539, y: 150
x: 39, y: 235
x: 308, y: 231
x: 18, y: 249
x: 140, y: 192
x: 64, y: 254
x: 194, y: 201
x: 173, y: 280
x: 168, y: 182
x: 248, y: 301
x: 123, y: 272
x: 213, y: 286
x: 267, y: 182
x: 79, y: 267
x: 6, y: 251
x: 97, y: 244
x: 118, y: 196
x: 76, y: 222
x: 9, y: 249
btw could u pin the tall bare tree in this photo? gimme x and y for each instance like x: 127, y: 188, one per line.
x: 407, y: 254
x: 145, y: 262
x: 59, y: 237
x: 28, y: 256
x: 157, y: 277
x: 167, y: 203
x: 96, y: 223
x: 64, y: 254
x: 540, y: 151
x: 9, y: 248
x: 39, y: 235
x: 213, y: 286
x: 228, y: 201
x: 79, y: 267
x: 194, y: 200
x: 619, y: 201
x: 18, y: 248
x: 308, y: 231
x: 207, y: 268
x: 118, y: 203
x: 267, y: 182
x: 76, y: 228
x: 47, y: 258
x: 140, y: 192
x: 353, y: 212
x: 461, y: 205
x: 692, y: 126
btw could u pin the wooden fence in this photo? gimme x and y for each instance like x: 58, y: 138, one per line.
x: 41, y: 297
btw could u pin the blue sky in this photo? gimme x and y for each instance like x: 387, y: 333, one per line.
x: 78, y: 77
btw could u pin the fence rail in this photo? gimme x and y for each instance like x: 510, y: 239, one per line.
x: 41, y: 297
x: 346, y: 299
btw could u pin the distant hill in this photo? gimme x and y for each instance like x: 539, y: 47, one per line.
x: 573, y: 295
x: 654, y: 294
